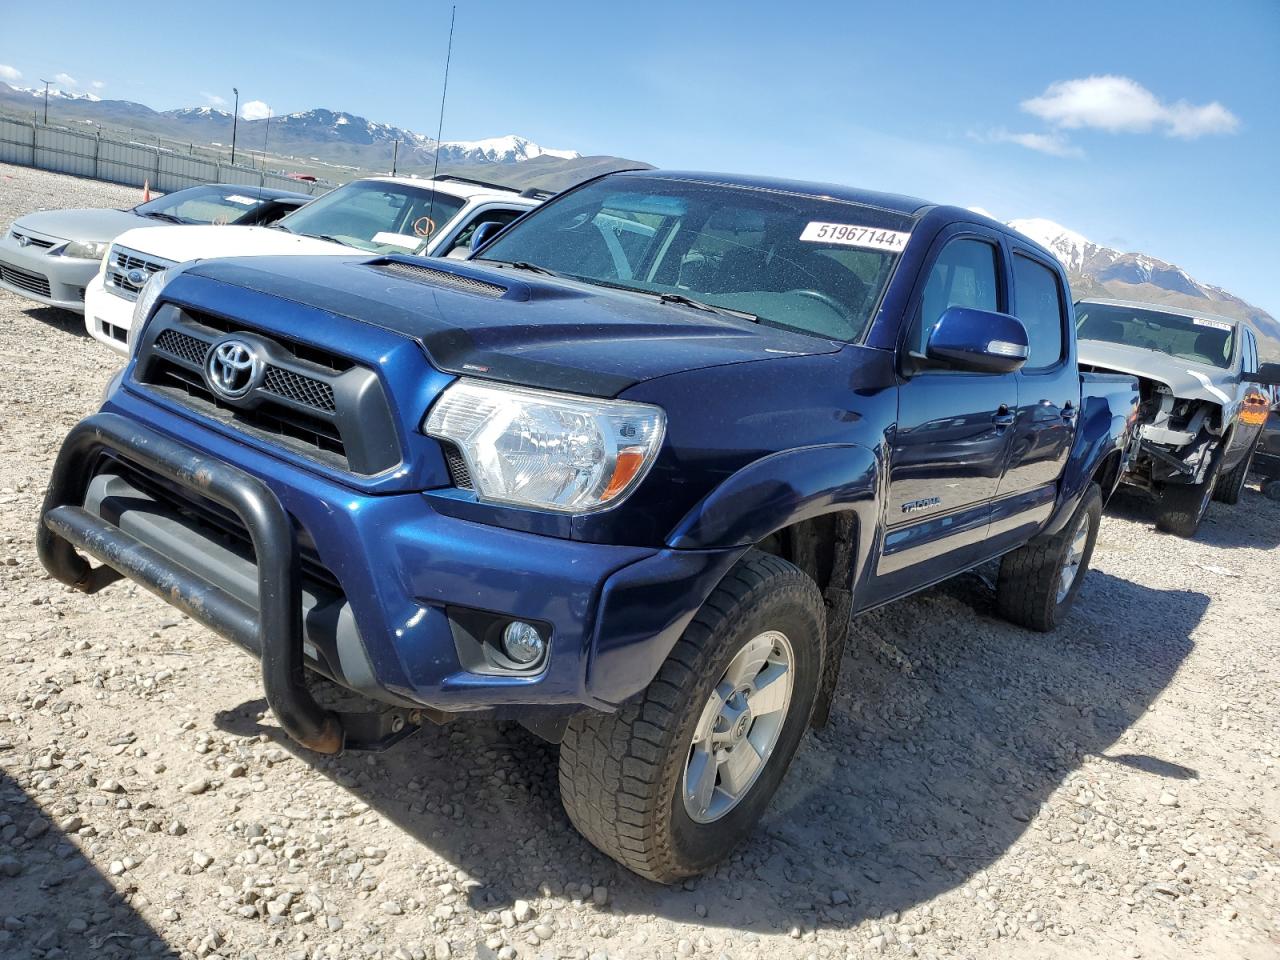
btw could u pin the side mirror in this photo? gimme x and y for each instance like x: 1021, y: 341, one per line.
x: 981, y: 341
x: 484, y: 233
x: 1268, y: 375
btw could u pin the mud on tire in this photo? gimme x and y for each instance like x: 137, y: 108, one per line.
x: 622, y: 775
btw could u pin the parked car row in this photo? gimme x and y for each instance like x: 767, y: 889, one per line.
x: 624, y: 475
x: 51, y: 256
x: 429, y: 218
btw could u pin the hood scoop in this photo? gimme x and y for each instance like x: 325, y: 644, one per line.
x: 421, y: 273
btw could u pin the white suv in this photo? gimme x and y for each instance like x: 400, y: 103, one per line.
x: 378, y: 215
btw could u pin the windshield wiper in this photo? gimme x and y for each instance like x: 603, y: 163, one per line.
x: 682, y: 300
x: 326, y: 236
x: 521, y: 265
x: 169, y: 217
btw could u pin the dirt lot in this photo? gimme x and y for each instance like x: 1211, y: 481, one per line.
x: 1108, y: 791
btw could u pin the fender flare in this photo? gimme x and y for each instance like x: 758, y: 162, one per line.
x: 781, y: 489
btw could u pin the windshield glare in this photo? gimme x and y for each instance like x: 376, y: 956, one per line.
x: 1187, y: 338
x: 376, y: 215
x: 793, y: 261
x: 207, y: 204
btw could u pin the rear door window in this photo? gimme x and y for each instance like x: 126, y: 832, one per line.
x: 1039, y: 304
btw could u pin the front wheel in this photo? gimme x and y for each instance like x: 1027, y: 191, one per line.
x: 1183, y: 505
x: 669, y: 784
x: 1231, y: 484
x: 1039, y: 582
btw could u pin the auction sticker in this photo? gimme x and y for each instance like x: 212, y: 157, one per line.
x: 851, y: 235
x: 1214, y: 324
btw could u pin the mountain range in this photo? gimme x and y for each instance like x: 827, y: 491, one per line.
x: 1100, y: 271
x: 338, y: 145
x: 314, y: 140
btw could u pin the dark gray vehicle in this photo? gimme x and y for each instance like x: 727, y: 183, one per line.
x: 50, y: 256
x: 1203, y: 406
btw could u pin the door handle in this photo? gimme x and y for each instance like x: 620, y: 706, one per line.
x: 1004, y: 417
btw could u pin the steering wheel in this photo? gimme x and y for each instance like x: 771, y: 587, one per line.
x: 424, y: 231
x: 831, y: 304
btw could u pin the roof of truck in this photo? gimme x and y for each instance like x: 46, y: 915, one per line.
x: 894, y: 202
x: 457, y: 188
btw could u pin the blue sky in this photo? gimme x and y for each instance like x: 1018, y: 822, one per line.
x: 1149, y: 127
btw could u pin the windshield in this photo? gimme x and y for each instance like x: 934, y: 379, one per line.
x: 1187, y: 338
x: 813, y: 265
x: 207, y: 204
x: 376, y: 215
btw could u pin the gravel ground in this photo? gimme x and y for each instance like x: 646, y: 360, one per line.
x: 1107, y: 791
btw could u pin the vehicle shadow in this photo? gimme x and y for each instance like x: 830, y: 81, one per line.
x: 55, y: 902
x: 950, y: 729
x: 62, y: 320
x: 1253, y: 522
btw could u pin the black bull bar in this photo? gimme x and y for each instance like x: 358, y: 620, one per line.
x: 273, y: 632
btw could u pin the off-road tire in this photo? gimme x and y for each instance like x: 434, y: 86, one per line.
x: 1183, y: 505
x: 1030, y: 577
x: 621, y: 774
x: 1230, y: 485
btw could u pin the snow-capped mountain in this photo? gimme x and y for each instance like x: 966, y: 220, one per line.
x: 56, y: 93
x: 333, y: 136
x: 1097, y: 270
x: 309, y: 130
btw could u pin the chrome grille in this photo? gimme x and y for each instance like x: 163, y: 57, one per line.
x: 40, y: 242
x: 25, y: 280
x: 120, y: 260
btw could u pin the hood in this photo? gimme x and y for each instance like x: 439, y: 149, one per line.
x: 517, y: 328
x: 98, y: 224
x: 198, y: 241
x: 1187, y: 379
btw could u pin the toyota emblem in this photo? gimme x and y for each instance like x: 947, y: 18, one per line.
x: 233, y: 368
x: 23, y: 239
x: 136, y: 277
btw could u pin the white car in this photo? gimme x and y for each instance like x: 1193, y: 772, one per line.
x: 378, y: 215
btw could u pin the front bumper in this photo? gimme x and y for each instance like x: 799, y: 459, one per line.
x: 107, y: 317
x: 400, y: 581
x: 44, y: 276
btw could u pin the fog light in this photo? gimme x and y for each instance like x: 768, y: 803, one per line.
x: 522, y: 642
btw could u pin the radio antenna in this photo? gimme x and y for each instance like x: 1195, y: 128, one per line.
x: 444, y: 92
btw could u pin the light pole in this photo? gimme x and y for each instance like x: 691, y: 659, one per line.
x: 235, y: 117
x: 46, y: 99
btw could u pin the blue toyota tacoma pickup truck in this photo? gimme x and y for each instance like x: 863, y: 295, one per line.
x: 624, y: 476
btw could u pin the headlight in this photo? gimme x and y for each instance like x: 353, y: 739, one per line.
x: 91, y: 250
x: 147, y: 298
x: 553, y: 451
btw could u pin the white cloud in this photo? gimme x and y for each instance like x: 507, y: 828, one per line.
x: 11, y: 74
x: 65, y: 80
x: 97, y: 84
x: 1122, y: 105
x: 1054, y: 144
x: 213, y: 99
x: 255, y: 110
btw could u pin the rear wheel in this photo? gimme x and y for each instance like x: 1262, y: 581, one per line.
x: 1183, y: 505
x: 669, y: 784
x: 1039, y: 582
x: 1230, y: 485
